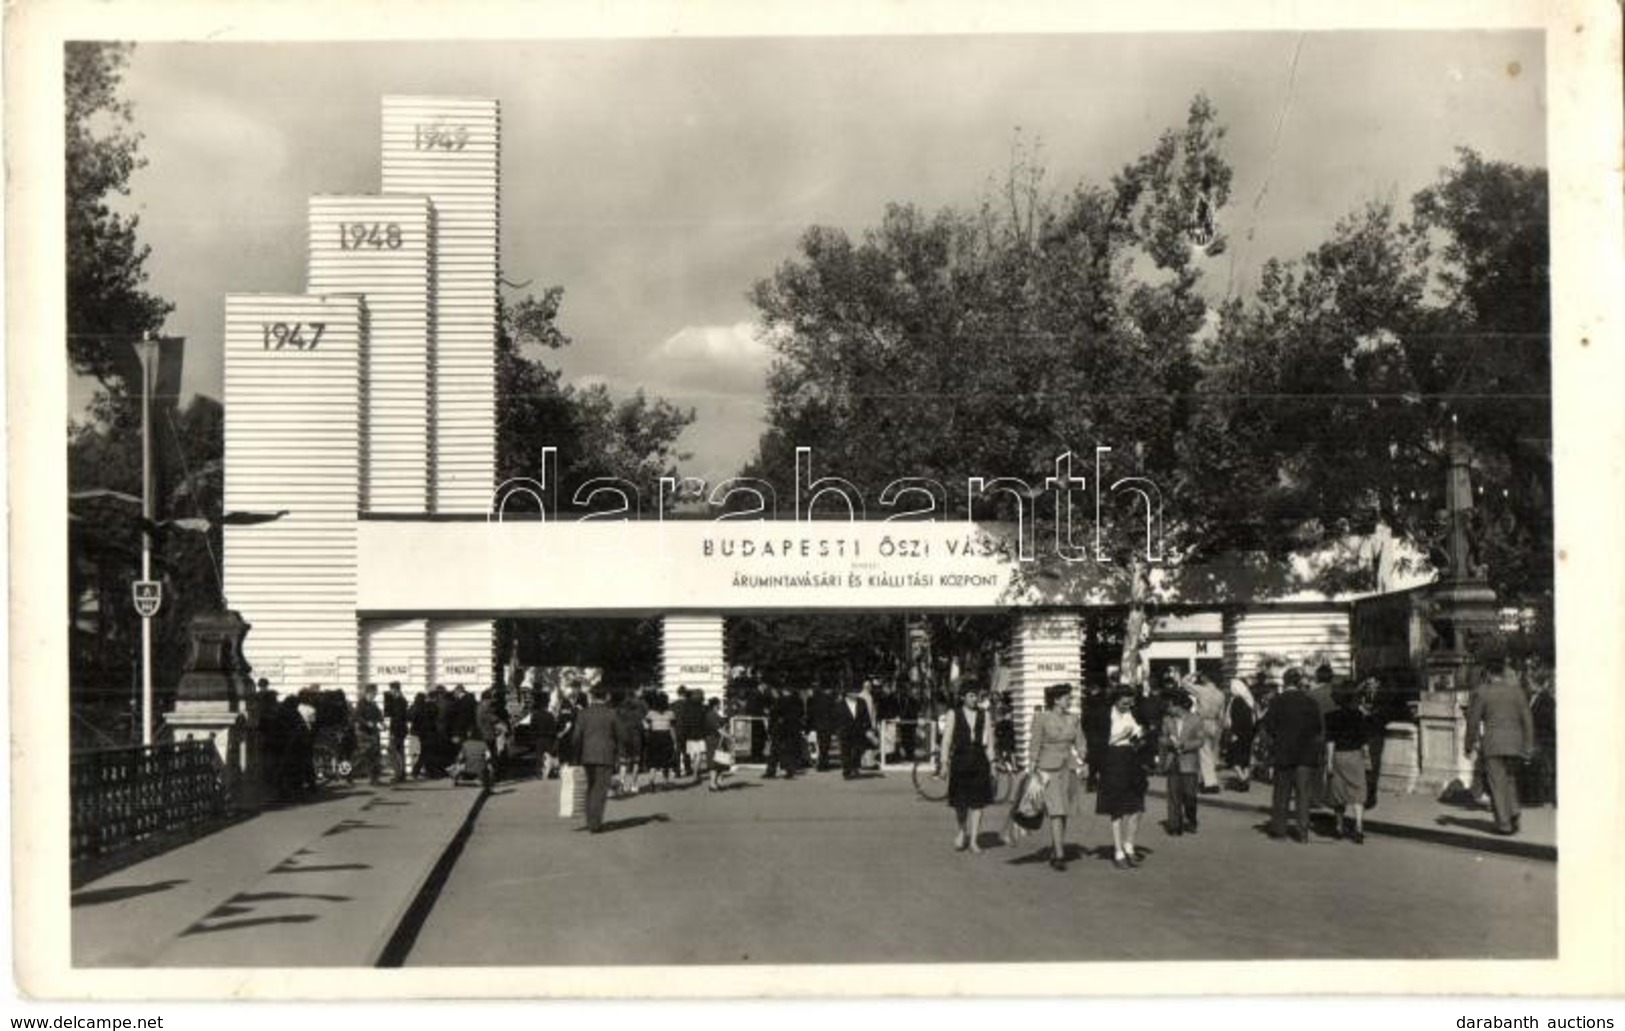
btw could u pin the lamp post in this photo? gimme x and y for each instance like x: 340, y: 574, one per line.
x: 147, y: 349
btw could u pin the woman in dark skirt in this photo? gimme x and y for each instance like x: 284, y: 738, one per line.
x: 1347, y: 760
x: 1123, y: 780
x: 659, y: 748
x: 968, y: 757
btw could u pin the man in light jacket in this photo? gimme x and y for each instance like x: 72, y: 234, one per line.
x: 1499, y: 723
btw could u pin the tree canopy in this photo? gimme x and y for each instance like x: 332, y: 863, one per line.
x: 108, y: 306
x: 1351, y: 367
x: 988, y: 341
x: 633, y: 439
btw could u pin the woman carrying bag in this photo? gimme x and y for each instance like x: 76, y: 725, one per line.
x: 967, y: 755
x: 1056, y: 747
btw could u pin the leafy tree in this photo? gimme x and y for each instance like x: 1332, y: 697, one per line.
x: 107, y: 310
x: 988, y: 342
x: 105, y: 536
x: 831, y: 650
x: 634, y: 439
x: 1353, y: 366
x: 107, y: 305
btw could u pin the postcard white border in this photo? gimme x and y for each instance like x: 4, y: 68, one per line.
x: 1583, y: 66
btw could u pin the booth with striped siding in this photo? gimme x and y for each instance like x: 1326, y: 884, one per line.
x: 292, y: 443
x: 396, y: 649
x: 1300, y: 634
x: 1046, y: 648
x: 691, y: 654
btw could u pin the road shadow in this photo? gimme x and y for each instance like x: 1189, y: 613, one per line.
x: 319, y: 867
x: 240, y: 925
x: 251, y: 897
x: 102, y: 896
x: 347, y: 826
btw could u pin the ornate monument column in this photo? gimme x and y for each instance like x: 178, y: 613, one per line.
x: 1460, y: 609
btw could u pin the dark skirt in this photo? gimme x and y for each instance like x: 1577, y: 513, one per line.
x: 1238, y: 753
x: 1122, y: 783
x: 658, y: 753
x: 970, y: 781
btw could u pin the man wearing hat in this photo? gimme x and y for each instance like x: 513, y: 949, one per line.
x: 1296, y: 729
x: 1182, y: 741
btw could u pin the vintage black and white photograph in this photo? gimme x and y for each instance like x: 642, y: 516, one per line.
x: 790, y: 500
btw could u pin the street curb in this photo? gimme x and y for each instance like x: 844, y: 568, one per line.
x: 404, y: 929
x: 1453, y: 839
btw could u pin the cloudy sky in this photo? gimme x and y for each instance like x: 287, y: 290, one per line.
x: 657, y: 180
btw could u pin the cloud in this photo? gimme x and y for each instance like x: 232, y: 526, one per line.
x: 729, y: 360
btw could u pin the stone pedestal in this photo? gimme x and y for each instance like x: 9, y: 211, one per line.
x: 213, y: 700
x: 1441, y: 718
x: 227, y: 730
x: 1400, y: 759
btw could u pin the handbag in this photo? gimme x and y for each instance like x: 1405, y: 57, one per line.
x: 723, y: 754
x: 1028, y: 812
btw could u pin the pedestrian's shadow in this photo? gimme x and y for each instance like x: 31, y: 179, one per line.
x: 1069, y: 853
x: 629, y: 822
x: 1482, y: 826
x: 738, y: 785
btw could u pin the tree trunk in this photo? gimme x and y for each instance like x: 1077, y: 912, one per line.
x: 1134, y: 626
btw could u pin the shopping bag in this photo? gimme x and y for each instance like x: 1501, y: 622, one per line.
x: 568, y: 776
x: 1028, y: 812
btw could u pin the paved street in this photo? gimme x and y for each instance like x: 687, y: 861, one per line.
x: 819, y: 871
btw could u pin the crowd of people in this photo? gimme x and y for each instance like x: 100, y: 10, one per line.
x: 1314, y: 741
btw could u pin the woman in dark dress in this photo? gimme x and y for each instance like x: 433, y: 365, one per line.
x: 968, y: 757
x: 1240, y: 724
x: 1123, y: 779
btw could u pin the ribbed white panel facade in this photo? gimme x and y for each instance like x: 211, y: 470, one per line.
x: 691, y: 655
x: 383, y: 247
x: 396, y: 649
x: 448, y: 149
x: 1046, y: 648
x: 1296, y: 637
x: 460, y: 653
x: 293, y: 443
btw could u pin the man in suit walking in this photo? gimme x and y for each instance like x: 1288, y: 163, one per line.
x: 395, y: 719
x: 1296, y: 730
x: 856, y: 729
x: 596, y: 742
x: 1499, y: 723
